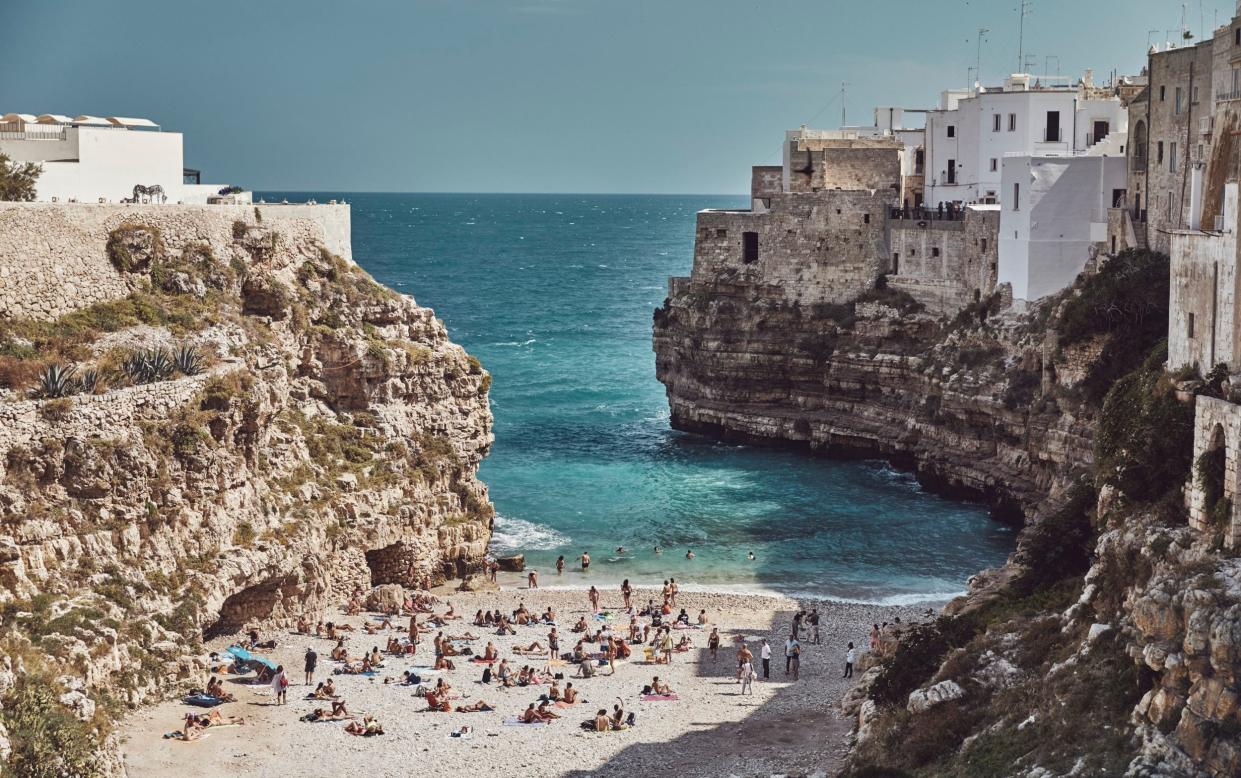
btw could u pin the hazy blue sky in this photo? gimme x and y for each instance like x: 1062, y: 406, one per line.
x: 529, y: 95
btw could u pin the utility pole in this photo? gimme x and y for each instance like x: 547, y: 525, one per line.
x: 1026, y: 5
x: 843, y: 116
x: 978, y: 57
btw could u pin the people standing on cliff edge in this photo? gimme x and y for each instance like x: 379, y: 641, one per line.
x: 850, y: 655
x: 585, y: 561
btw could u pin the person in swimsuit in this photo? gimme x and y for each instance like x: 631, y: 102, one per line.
x: 713, y: 644
x: 560, y: 564
x: 585, y: 561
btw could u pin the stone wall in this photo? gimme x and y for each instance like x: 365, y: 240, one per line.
x: 945, y: 265
x: 765, y: 182
x: 1202, y: 316
x: 825, y: 247
x: 864, y: 163
x: 53, y: 259
x: 1216, y: 423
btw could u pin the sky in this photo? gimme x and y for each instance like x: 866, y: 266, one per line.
x: 640, y: 96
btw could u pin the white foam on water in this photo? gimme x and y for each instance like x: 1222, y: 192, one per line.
x: 511, y: 534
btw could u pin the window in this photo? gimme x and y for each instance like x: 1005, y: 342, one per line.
x: 749, y: 247
x: 1193, y: 96
x: 913, y: 252
x: 1159, y: 153
x: 1163, y: 92
x: 896, y: 263
x: 1236, y: 37
x: 866, y: 218
x: 1176, y: 101
x: 995, y: 164
x: 1113, y: 244
x: 1189, y: 326
x: 996, y: 121
x: 721, y: 233
x: 1172, y: 158
x: 934, y: 252
x: 952, y: 171
x: 984, y: 245
x: 1169, y: 204
x: 952, y: 131
x: 1016, y: 197
x: 1052, y: 134
x: 1012, y: 122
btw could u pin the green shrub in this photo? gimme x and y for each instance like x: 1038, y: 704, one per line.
x: 1059, y: 546
x: 1144, y: 441
x: 918, y: 656
x: 47, y: 741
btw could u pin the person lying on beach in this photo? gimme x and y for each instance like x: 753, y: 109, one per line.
x: 478, y: 706
x: 370, y: 628
x: 581, y: 625
x: 368, y: 726
x: 464, y: 638
x: 533, y: 648
x: 450, y: 614
x: 339, y: 652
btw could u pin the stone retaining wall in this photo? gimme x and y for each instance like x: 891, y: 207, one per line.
x: 53, y: 257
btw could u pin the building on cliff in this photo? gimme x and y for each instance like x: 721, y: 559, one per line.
x: 96, y: 159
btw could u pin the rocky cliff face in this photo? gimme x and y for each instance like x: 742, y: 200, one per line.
x: 1111, y: 642
x: 960, y: 403
x: 254, y: 429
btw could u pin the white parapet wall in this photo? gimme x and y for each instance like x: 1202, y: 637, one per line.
x: 54, y: 260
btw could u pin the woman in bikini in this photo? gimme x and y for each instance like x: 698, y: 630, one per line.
x: 626, y: 593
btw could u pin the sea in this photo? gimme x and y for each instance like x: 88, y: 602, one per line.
x: 555, y: 294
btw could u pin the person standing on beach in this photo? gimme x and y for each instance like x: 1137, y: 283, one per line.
x: 312, y: 659
x: 850, y: 655
x: 713, y: 644
x: 797, y: 662
x: 674, y: 589
x: 747, y: 677
x: 585, y: 561
x: 532, y: 579
x: 626, y: 593
x: 814, y: 625
x: 790, y: 646
x: 797, y: 624
x: 666, y: 645
x: 765, y: 653
x: 593, y: 594
x: 560, y: 565
x: 553, y: 644
x: 280, y: 684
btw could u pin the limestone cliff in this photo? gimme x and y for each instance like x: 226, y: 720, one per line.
x: 253, y: 429
x: 1111, y: 642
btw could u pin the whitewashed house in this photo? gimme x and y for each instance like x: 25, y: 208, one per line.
x: 92, y: 158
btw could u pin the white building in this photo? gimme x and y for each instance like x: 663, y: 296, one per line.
x: 970, y: 134
x: 1054, y: 217
x: 91, y: 158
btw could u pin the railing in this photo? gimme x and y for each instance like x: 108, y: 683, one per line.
x: 50, y: 133
x: 1051, y: 136
x: 1228, y: 94
x: 922, y: 214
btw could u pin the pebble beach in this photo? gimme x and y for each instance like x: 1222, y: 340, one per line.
x: 785, y: 727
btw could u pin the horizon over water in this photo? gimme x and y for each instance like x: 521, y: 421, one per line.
x: 555, y: 294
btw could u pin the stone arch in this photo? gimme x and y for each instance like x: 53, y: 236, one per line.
x: 1138, y: 145
x: 1213, y: 484
x: 1210, y: 470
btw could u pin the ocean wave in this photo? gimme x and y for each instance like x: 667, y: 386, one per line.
x: 511, y: 534
x: 516, y: 342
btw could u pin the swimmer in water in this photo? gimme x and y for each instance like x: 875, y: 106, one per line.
x: 689, y: 554
x: 658, y: 550
x: 620, y: 550
x: 750, y: 556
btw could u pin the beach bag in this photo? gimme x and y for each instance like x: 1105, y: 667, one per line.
x: 631, y: 719
x: 559, y: 676
x: 284, y: 682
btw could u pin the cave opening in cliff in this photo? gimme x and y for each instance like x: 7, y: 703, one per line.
x: 392, y: 564
x: 258, y: 603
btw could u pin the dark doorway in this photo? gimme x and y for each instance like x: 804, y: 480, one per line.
x: 749, y: 247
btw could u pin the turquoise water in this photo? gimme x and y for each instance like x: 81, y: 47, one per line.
x: 554, y: 293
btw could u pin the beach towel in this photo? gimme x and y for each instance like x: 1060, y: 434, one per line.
x: 203, y: 700
x: 520, y: 723
x: 659, y: 697
x: 178, y: 735
x: 563, y: 704
x: 687, y: 626
x: 478, y: 660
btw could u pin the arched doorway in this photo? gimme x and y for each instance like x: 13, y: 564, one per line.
x: 1209, y: 471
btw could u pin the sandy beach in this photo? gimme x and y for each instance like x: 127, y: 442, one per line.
x: 785, y: 727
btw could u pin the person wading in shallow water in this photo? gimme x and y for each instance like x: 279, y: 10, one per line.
x: 560, y: 565
x: 585, y: 561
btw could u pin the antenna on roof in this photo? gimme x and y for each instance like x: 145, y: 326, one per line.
x: 1026, y: 6
x: 978, y: 57
x: 843, y: 117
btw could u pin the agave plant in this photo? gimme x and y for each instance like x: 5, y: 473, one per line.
x: 91, y: 381
x: 147, y: 367
x: 56, y: 381
x: 188, y: 360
